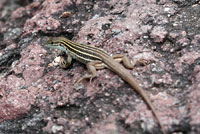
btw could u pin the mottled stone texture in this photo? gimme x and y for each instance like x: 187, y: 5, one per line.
x: 36, y: 98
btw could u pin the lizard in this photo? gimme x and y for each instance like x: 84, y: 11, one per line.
x: 96, y: 58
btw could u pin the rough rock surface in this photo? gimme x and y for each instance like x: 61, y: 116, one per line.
x: 36, y: 98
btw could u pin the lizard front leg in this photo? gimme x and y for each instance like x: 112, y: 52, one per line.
x: 92, y: 67
x: 65, y: 61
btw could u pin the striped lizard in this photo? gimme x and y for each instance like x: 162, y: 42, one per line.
x: 96, y: 58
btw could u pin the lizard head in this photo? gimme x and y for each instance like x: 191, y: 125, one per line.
x: 56, y: 43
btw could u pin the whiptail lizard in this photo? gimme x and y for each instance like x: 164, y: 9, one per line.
x: 96, y: 58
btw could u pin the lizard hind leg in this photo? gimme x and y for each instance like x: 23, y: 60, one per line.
x: 124, y: 60
x: 92, y: 67
x: 127, y: 62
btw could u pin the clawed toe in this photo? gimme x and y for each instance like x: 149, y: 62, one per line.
x: 83, y: 78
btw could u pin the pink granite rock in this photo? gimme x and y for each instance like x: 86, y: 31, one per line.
x: 37, y: 98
